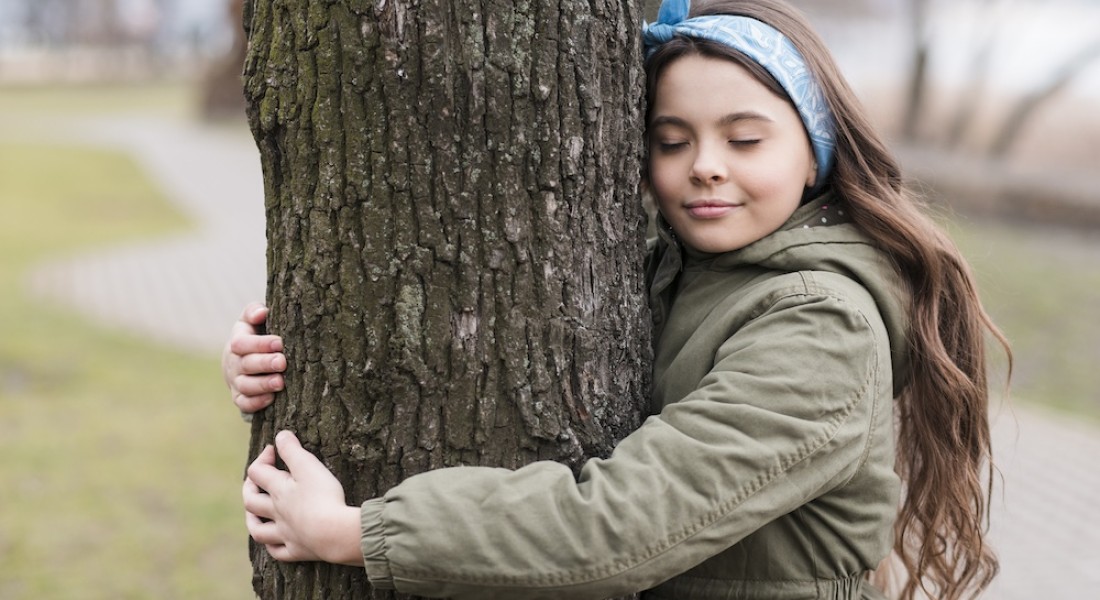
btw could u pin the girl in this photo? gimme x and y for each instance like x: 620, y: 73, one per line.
x: 803, y: 305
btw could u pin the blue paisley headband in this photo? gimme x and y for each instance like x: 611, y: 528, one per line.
x: 769, y: 48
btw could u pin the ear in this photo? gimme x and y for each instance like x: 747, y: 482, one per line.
x: 811, y: 177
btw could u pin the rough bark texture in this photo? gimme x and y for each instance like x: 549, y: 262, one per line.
x: 455, y: 240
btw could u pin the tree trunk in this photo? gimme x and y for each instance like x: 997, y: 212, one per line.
x: 918, y: 73
x: 988, y: 26
x: 455, y: 238
x: 1026, y: 108
x: 221, y: 96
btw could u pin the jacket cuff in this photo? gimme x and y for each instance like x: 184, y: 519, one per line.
x: 373, y: 544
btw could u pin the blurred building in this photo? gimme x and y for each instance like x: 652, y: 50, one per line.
x: 75, y: 40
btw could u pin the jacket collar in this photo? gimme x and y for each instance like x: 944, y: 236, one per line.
x: 823, y: 211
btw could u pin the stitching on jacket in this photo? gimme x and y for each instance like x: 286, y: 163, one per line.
x: 808, y: 448
x: 816, y: 580
x: 875, y: 367
x: 875, y: 407
x: 385, y: 542
x: 723, y: 509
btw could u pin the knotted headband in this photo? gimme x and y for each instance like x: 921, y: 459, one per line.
x: 766, y: 46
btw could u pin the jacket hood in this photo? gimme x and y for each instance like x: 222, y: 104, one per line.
x: 819, y: 236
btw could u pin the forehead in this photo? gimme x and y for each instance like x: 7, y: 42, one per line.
x: 695, y: 85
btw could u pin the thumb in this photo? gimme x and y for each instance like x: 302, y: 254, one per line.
x: 255, y: 313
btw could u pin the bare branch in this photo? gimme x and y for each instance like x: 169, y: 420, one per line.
x: 1027, y: 107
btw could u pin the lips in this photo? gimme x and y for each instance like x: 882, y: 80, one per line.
x: 711, y: 209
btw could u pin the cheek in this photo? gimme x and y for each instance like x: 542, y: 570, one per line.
x: 775, y: 177
x: 661, y: 181
x: 763, y: 179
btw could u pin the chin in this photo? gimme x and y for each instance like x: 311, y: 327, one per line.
x: 718, y: 247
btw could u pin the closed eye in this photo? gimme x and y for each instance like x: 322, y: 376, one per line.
x: 668, y: 147
x: 745, y: 142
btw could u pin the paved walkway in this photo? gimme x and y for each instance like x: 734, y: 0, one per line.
x: 187, y: 290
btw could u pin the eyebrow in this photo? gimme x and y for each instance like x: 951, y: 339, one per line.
x: 731, y: 118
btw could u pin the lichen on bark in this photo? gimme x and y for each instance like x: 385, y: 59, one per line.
x: 455, y: 238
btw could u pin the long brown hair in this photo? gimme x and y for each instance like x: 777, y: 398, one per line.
x: 944, y: 446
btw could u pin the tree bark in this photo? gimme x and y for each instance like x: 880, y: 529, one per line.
x: 454, y: 238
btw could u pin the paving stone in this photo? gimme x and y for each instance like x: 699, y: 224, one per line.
x: 185, y: 290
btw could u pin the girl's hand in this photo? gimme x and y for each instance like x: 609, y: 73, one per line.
x: 299, y: 514
x: 252, y: 363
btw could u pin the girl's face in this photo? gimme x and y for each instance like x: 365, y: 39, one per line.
x: 728, y: 159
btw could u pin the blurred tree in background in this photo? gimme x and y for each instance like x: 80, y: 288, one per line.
x: 222, y: 91
x: 979, y: 61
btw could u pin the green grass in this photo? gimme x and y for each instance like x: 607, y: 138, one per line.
x: 122, y: 460
x: 1042, y: 287
x: 173, y: 99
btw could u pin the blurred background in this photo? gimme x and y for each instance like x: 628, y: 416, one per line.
x: 131, y: 235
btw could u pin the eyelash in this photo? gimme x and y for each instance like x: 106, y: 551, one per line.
x: 670, y: 147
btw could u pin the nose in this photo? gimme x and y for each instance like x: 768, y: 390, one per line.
x: 709, y: 166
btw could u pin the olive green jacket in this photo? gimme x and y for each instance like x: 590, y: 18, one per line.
x: 766, y: 472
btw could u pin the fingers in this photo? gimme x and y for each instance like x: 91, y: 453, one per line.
x: 259, y: 507
x: 244, y: 338
x: 251, y: 404
x: 268, y: 534
x: 266, y: 457
x: 282, y: 553
x: 255, y: 313
x: 259, y: 515
x: 257, y: 385
x: 243, y: 342
x: 249, y: 394
x: 264, y: 474
x: 260, y: 364
x: 264, y: 532
x: 251, y: 363
x: 257, y: 502
x: 253, y: 316
x: 294, y: 455
x: 285, y: 510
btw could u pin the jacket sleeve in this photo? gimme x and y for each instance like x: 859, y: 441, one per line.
x: 783, y: 416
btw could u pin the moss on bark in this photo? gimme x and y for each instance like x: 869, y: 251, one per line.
x: 455, y: 238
